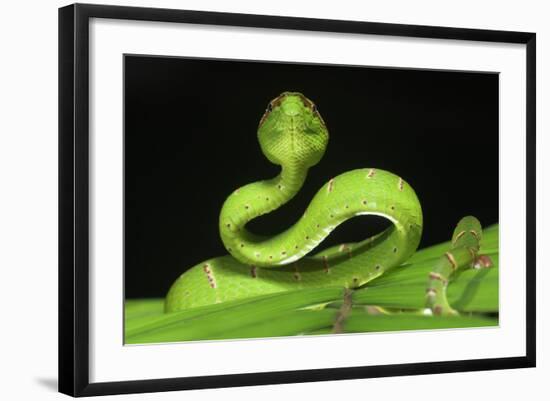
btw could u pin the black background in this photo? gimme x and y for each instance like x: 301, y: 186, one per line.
x: 190, y: 140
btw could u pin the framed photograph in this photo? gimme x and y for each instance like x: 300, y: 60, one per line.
x: 252, y: 199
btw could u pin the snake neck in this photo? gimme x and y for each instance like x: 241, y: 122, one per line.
x: 251, y: 201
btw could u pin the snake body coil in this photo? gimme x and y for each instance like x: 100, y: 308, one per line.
x: 293, y: 135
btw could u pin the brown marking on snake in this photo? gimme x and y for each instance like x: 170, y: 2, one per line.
x: 483, y: 261
x: 325, y: 264
x: 297, y: 275
x: 209, y: 275
x: 343, y: 313
x: 400, y: 184
x: 330, y: 185
x: 264, y: 116
x: 437, y: 310
x: 460, y: 234
x: 371, y: 173
x: 253, y: 271
x: 436, y: 276
x: 345, y: 247
x: 274, y: 103
x: 451, y: 260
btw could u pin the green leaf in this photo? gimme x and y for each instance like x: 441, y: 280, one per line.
x: 217, y: 320
x: 472, y: 292
x: 362, y: 322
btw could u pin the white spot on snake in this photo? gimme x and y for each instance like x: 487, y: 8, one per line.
x: 330, y: 185
x: 475, y: 234
x: 209, y: 275
x: 400, y: 184
x: 371, y: 173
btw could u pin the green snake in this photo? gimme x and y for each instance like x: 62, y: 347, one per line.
x: 293, y: 135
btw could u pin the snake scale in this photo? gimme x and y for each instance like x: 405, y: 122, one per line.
x: 293, y: 135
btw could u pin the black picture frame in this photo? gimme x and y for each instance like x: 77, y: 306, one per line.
x: 74, y: 194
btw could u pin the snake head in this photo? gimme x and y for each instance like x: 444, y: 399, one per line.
x: 292, y: 132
